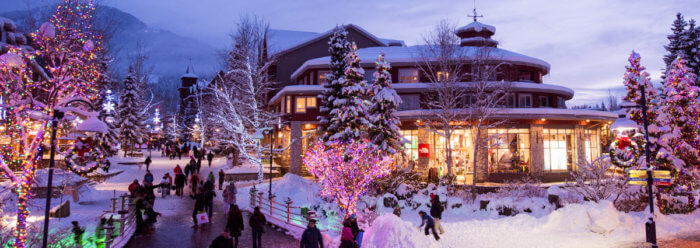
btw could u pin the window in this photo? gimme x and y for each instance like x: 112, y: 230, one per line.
x: 544, y: 102
x: 443, y: 76
x: 408, y: 75
x: 470, y: 100
x: 409, y: 102
x: 462, y: 152
x: 510, y: 101
x: 509, y: 150
x: 412, y: 146
x: 369, y: 75
x: 558, y: 149
x: 322, y: 76
x: 525, y: 100
x: 305, y: 102
x: 288, y: 105
x: 592, y: 140
x: 525, y: 76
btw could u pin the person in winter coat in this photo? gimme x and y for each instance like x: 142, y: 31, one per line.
x: 134, y: 187
x: 436, y: 212
x: 148, y: 178
x: 223, y: 241
x: 234, y: 223
x: 148, y: 162
x: 229, y: 194
x: 209, y: 195
x: 177, y: 169
x: 257, y: 221
x: 221, y: 178
x: 353, y: 225
x: 194, y: 180
x: 188, y: 170
x: 347, y: 240
x: 429, y: 224
x: 192, y: 164
x: 199, y: 163
x: 211, y: 177
x: 198, y: 205
x: 312, y: 237
x: 210, y: 157
x: 180, y: 181
x: 165, y: 186
x: 209, y: 185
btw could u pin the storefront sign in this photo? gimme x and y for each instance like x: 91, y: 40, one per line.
x: 423, y: 150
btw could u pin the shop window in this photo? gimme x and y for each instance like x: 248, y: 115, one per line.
x: 525, y: 100
x: 462, y: 152
x: 408, y: 75
x: 411, y: 148
x: 509, y: 150
x: 304, y: 102
x: 558, y: 149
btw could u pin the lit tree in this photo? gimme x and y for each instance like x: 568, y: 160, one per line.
x: 70, y: 55
x: 332, y: 87
x: 345, y: 169
x: 348, y: 117
x: 384, y: 130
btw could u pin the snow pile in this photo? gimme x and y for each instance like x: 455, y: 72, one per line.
x: 603, y: 219
x: 389, y: 230
x: 60, y: 177
x: 303, y: 192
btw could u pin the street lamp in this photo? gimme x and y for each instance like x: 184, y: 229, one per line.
x: 259, y: 136
x: 650, y: 225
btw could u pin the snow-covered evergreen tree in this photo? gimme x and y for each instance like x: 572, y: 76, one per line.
x: 131, y: 127
x: 338, y: 48
x: 384, y: 131
x: 109, y: 140
x: 675, y: 46
x: 348, y: 117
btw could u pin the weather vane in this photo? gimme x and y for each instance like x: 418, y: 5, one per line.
x: 475, y: 14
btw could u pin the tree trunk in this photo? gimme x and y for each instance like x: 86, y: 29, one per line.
x: 448, y: 152
x: 476, y: 150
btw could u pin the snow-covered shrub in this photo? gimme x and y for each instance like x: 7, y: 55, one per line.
x: 528, y: 187
x: 402, y: 183
x: 512, y: 206
x: 565, y: 196
x: 633, y: 199
x: 593, y: 181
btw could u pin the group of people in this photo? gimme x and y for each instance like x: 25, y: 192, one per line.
x: 144, y: 199
x: 432, y: 222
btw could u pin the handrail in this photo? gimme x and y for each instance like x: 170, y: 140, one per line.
x: 281, y: 212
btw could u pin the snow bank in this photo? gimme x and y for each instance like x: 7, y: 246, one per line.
x: 389, y: 230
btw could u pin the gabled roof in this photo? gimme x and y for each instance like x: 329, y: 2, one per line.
x: 327, y: 34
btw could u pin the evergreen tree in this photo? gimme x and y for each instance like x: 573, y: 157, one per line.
x: 635, y: 77
x: 338, y: 48
x: 384, y: 131
x: 109, y: 140
x: 131, y: 127
x: 348, y: 118
x: 691, y: 43
x: 675, y: 45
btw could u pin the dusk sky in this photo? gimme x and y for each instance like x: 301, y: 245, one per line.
x: 586, y: 42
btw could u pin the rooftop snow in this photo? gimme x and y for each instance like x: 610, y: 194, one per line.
x: 477, y: 27
x: 412, y: 54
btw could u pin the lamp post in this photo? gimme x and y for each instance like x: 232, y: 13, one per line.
x: 650, y: 225
x: 259, y: 136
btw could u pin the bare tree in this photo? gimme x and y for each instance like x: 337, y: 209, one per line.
x: 242, y: 91
x: 596, y: 181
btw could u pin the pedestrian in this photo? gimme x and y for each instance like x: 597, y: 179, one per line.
x: 77, y: 233
x: 221, y: 178
x: 134, y: 187
x: 198, y: 205
x: 436, y: 210
x: 179, y: 154
x: 195, y: 151
x: 230, y: 194
x: 209, y: 195
x: 257, y: 221
x: 180, y: 181
x: 347, y: 240
x: 188, y: 170
x: 148, y: 162
x: 107, y: 165
x: 151, y: 217
x: 353, y: 225
x: 177, y: 169
x: 397, y: 211
x: 211, y: 176
x: 234, y: 223
x: 429, y: 224
x: 208, y: 184
x: 165, y: 186
x: 210, y: 157
x: 223, y: 241
x: 193, y: 164
x: 148, y: 178
x: 312, y: 236
x: 199, y: 163
x: 194, y: 180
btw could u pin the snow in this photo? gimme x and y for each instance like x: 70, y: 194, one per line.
x: 287, y: 41
x: 411, y: 54
x: 246, y: 167
x: 92, y: 124
x: 531, y: 113
x: 389, y: 230
x: 477, y: 27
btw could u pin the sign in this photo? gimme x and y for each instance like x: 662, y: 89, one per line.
x: 423, y: 150
x: 660, y: 177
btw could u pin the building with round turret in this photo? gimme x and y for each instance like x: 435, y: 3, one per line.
x: 537, y: 134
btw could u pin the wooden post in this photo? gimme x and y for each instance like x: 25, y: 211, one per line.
x: 114, y: 205
x: 289, y: 209
x: 122, y: 222
x: 253, y: 191
x: 123, y: 201
x: 108, y: 235
x: 272, y: 202
x: 260, y: 200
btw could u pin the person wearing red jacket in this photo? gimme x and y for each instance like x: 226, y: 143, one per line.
x: 134, y: 187
x: 177, y: 169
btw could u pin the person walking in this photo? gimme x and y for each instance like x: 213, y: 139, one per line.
x: 198, y: 205
x: 180, y: 181
x: 210, y: 157
x: 429, y: 224
x: 148, y: 162
x: 234, y: 223
x: 209, y: 195
x: 436, y: 212
x: 134, y: 187
x: 194, y: 180
x: 229, y: 194
x: 188, y: 170
x: 347, y: 240
x: 199, y: 163
x: 257, y: 222
x: 221, y: 178
x: 211, y: 177
x: 311, y: 238
x: 165, y: 186
x: 222, y: 241
x: 148, y: 178
x: 177, y: 169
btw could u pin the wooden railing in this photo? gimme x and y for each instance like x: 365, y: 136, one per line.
x: 282, y: 214
x: 125, y: 220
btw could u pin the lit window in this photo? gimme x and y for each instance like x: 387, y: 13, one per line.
x: 525, y: 100
x: 509, y: 150
x: 558, y: 149
x: 311, y: 102
x: 322, y: 76
x: 408, y: 75
x: 443, y: 76
x: 304, y: 102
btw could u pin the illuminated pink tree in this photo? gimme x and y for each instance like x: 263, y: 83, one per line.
x: 345, y: 169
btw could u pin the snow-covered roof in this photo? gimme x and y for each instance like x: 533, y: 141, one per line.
x: 406, y: 87
x: 525, y: 113
x: 92, y: 124
x: 623, y: 123
x: 328, y: 33
x: 477, y: 27
x: 189, y: 72
x: 412, y: 54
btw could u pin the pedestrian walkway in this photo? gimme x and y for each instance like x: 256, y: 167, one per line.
x: 174, y: 228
